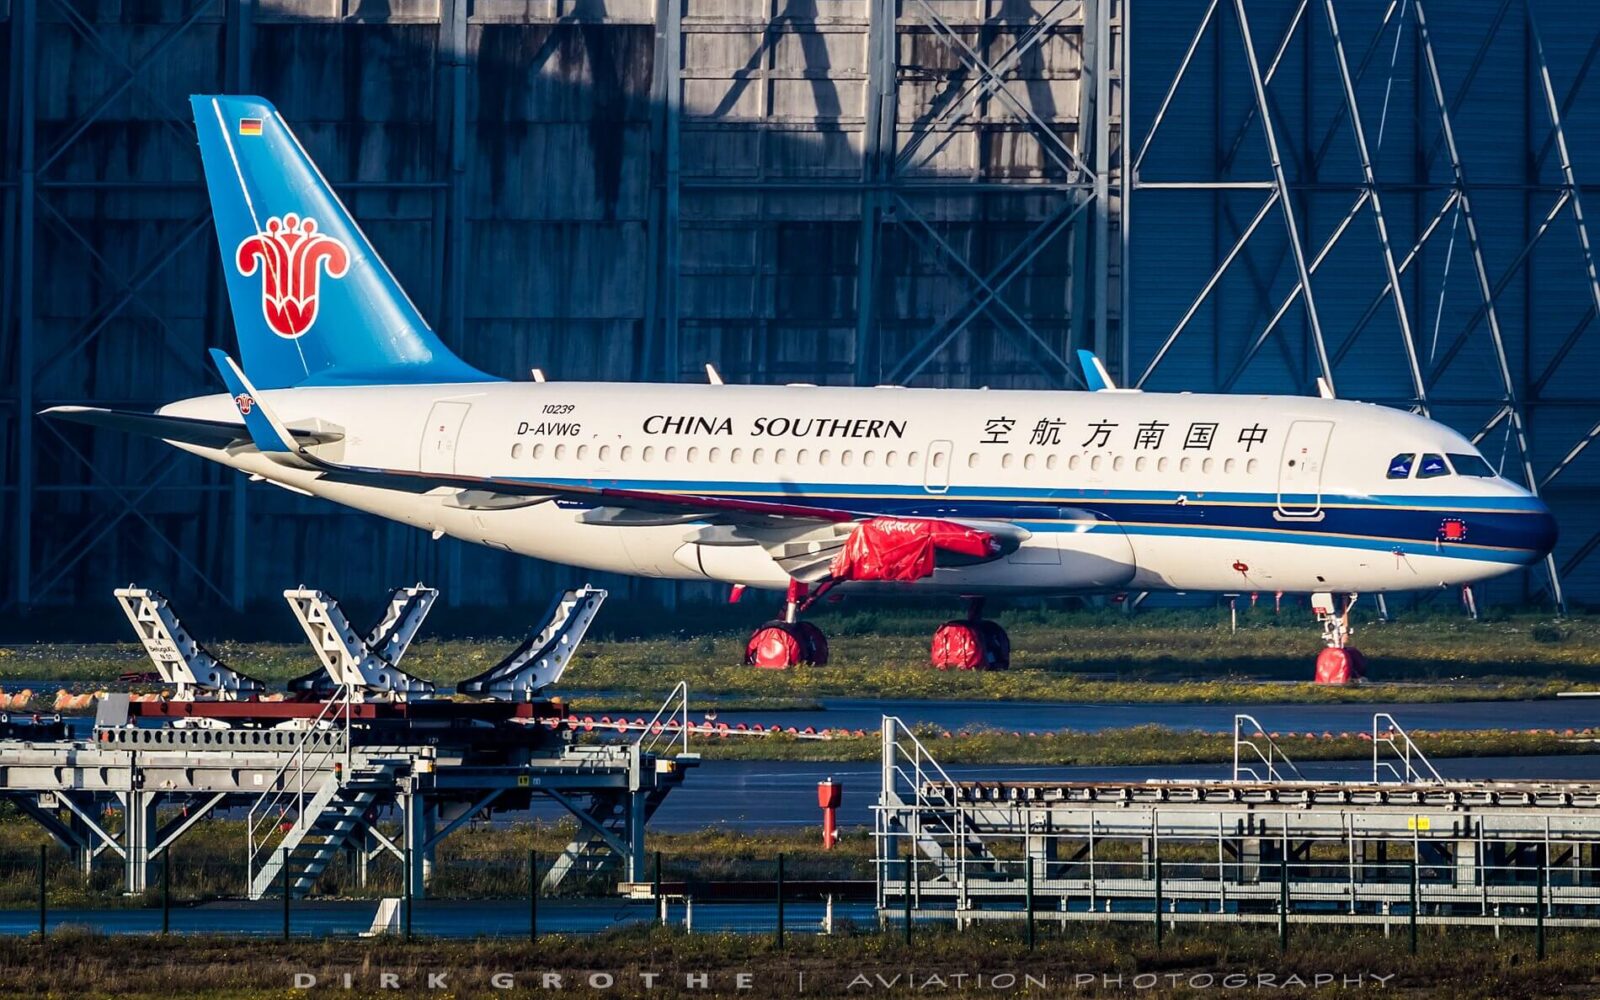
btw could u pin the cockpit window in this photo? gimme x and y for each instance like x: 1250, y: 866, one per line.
x: 1400, y: 465
x: 1432, y: 467
x: 1472, y: 465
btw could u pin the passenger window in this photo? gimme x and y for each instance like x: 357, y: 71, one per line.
x: 516, y: 450
x: 1400, y: 465
x: 1432, y: 467
x: 1472, y: 465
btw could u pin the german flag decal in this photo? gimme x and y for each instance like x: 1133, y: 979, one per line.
x: 249, y: 126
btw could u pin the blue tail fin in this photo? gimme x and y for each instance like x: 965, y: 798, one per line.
x: 312, y: 302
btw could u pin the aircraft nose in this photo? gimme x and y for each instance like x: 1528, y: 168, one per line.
x: 1545, y: 532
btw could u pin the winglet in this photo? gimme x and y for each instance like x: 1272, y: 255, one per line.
x: 266, y: 431
x: 1094, y: 372
x: 1324, y: 390
x: 712, y: 375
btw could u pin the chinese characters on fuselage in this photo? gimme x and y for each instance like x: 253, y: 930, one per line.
x: 1148, y: 435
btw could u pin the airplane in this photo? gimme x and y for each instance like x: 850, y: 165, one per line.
x: 345, y: 393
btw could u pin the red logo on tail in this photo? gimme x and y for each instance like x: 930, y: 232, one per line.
x: 292, y: 256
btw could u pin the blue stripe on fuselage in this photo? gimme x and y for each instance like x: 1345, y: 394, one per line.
x: 1501, y: 529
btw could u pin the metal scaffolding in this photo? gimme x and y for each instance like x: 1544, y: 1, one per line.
x: 1337, y: 159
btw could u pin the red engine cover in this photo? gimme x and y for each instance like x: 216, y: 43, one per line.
x: 904, y: 548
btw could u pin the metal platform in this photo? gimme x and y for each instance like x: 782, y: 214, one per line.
x: 315, y: 778
x: 1259, y: 847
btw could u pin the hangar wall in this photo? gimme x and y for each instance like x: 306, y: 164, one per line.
x: 923, y: 191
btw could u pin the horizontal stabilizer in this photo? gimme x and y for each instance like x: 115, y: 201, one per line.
x: 185, y: 430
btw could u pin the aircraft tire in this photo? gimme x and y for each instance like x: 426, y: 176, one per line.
x: 996, y: 644
x: 813, y: 644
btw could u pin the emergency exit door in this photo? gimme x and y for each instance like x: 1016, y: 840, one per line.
x: 440, y: 436
x: 1300, y: 468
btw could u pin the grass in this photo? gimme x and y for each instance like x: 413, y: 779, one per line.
x: 1467, y: 964
x: 1083, y: 656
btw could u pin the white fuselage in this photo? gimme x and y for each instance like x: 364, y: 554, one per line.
x: 1117, y: 490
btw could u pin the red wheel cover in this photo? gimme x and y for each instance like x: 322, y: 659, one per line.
x: 773, y: 647
x: 957, y: 644
x: 1340, y: 666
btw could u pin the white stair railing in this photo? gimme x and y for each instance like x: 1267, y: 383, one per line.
x: 287, y: 788
x: 1408, y: 765
x: 669, y: 729
x: 1248, y: 755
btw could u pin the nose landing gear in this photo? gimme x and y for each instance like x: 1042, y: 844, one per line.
x: 1339, y: 663
x: 975, y: 643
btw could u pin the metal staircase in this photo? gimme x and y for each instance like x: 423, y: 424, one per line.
x: 330, y: 818
x: 921, y: 802
x: 603, y: 825
x: 302, y: 794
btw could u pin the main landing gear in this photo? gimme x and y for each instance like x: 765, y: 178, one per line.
x: 787, y: 642
x: 973, y: 643
x: 1340, y: 663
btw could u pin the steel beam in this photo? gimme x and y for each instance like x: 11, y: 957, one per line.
x: 1369, y: 178
x: 1290, y: 225
x: 25, y: 14
x: 1480, y: 271
x: 878, y: 163
x: 659, y: 353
